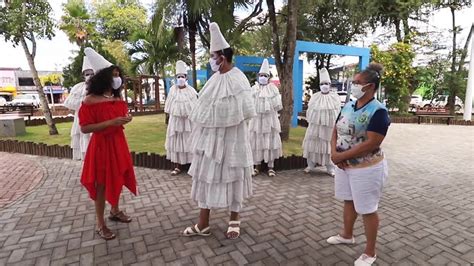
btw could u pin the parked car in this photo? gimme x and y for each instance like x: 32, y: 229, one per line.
x: 25, y: 100
x: 416, y: 101
x: 442, y: 102
x: 3, y: 101
x: 343, y: 96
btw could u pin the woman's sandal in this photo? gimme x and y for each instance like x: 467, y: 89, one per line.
x: 105, y: 233
x: 234, y: 227
x: 120, y: 217
x: 256, y: 172
x: 194, y: 231
x: 271, y: 173
x: 176, y: 171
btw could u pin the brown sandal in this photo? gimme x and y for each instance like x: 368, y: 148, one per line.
x: 120, y: 217
x: 105, y: 233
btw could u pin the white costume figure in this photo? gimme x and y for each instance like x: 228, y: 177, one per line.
x: 179, y: 105
x: 97, y: 61
x: 265, y: 127
x: 222, y: 157
x: 79, y: 140
x: 323, y: 109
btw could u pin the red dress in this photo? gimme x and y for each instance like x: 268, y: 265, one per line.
x: 108, y: 161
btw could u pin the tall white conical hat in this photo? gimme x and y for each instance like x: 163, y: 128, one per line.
x: 265, y: 68
x: 86, y: 64
x: 97, y: 61
x: 217, y: 39
x: 181, y: 67
x: 324, y: 75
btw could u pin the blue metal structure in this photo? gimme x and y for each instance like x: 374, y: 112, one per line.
x: 252, y: 64
x: 320, y: 48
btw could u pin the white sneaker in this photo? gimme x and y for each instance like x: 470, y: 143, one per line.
x: 335, y: 240
x: 365, y: 260
x: 308, y: 170
x: 332, y: 173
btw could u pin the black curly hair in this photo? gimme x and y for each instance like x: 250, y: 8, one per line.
x: 102, y: 81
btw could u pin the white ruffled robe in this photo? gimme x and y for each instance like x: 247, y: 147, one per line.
x: 79, y: 140
x: 265, y: 127
x: 222, y: 158
x: 179, y: 105
x: 321, y: 116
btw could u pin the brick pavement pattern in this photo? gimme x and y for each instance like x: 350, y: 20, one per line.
x: 19, y: 175
x: 427, y: 214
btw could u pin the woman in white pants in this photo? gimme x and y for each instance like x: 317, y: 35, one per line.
x: 361, y: 166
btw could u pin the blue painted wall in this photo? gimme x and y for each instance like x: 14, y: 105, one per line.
x: 252, y: 64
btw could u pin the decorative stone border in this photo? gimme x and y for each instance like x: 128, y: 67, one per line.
x: 143, y: 159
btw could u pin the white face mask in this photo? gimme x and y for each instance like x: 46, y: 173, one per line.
x: 324, y: 88
x: 356, y: 90
x: 214, y: 66
x: 116, y: 83
x: 181, y: 82
x: 263, y: 80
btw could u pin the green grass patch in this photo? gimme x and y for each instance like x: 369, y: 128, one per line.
x: 144, y: 134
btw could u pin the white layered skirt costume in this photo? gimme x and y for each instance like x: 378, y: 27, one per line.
x: 265, y: 127
x: 222, y: 158
x: 79, y: 140
x: 179, y: 105
x: 321, y: 115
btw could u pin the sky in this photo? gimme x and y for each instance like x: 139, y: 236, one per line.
x: 56, y: 53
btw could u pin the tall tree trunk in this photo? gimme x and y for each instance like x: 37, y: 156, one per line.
x: 44, y: 102
x: 453, y: 76
x: 406, y: 31
x: 284, y: 61
x: 163, y: 77
x: 179, y: 35
x: 192, y: 48
x: 328, y: 62
x: 398, y: 32
x: 462, y: 60
x: 317, y: 64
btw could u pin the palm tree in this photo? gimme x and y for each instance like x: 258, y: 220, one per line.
x: 194, y: 17
x: 76, y: 22
x: 154, y: 49
x: 188, y: 16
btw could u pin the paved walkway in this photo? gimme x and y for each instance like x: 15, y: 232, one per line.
x: 18, y: 176
x: 427, y: 214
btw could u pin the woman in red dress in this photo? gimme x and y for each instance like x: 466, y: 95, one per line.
x: 107, y: 164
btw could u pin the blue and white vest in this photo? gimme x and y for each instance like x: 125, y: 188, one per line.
x: 352, y: 130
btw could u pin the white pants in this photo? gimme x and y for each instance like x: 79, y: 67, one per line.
x: 361, y: 185
x: 329, y: 167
